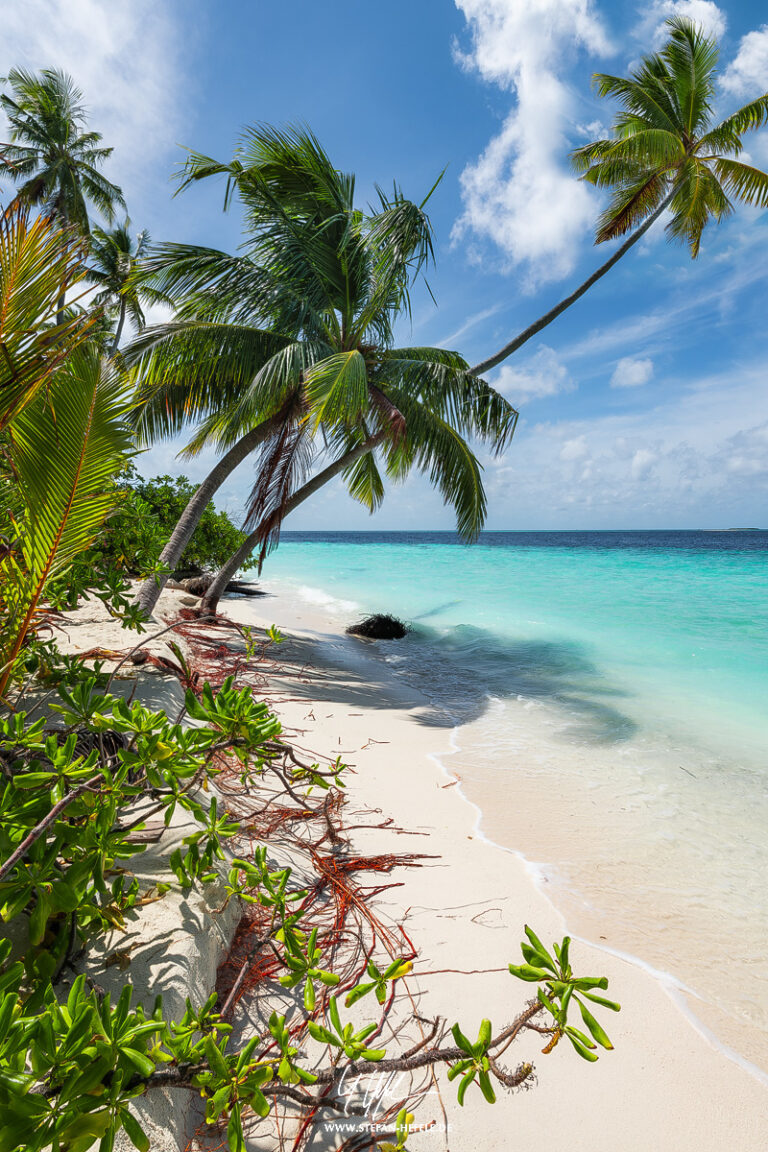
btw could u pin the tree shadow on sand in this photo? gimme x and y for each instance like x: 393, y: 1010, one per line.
x: 449, y: 679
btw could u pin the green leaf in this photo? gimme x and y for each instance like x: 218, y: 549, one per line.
x: 465, y: 1083
x: 260, y: 1104
x: 528, y: 972
x: 142, y: 1063
x: 134, y: 1131
x: 485, y: 1085
x: 484, y: 1036
x: 461, y: 1040
x: 215, y: 1059
x: 582, y: 1051
x: 597, y: 1032
x: 321, y: 1034
x: 337, y: 388
x: 358, y: 993
x: 614, y: 1007
x: 235, y: 1131
x: 333, y: 1012
x: 540, y: 947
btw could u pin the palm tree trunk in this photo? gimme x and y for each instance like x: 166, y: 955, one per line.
x: 149, y: 592
x: 548, y: 317
x: 210, y: 601
x: 119, y: 330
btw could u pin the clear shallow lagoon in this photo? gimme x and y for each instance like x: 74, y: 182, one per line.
x: 610, y: 684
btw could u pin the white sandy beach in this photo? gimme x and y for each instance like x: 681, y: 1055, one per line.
x: 665, y: 1087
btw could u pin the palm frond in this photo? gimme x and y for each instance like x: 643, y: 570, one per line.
x: 186, y: 370
x: 65, y: 449
x: 283, y: 466
x: 631, y: 205
x: 37, y: 267
x: 747, y: 183
x: 698, y: 199
x: 337, y: 389
x: 435, y: 448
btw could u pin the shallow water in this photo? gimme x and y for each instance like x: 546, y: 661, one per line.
x: 611, y: 692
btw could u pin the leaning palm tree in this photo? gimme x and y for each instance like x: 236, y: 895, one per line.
x: 665, y: 153
x: 114, y: 269
x: 52, y: 158
x: 293, y: 340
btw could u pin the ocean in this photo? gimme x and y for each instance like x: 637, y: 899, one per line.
x: 606, y: 692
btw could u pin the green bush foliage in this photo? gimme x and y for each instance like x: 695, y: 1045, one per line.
x: 147, y: 513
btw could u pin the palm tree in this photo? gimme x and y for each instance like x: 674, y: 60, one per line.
x: 115, y: 263
x: 50, y: 155
x: 294, y: 337
x: 665, y: 152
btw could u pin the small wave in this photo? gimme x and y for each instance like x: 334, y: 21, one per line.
x: 322, y: 599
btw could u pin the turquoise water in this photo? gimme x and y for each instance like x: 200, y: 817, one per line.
x: 642, y: 629
x: 608, y: 695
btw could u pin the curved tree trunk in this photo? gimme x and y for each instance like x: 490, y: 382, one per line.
x: 149, y: 592
x: 119, y: 329
x: 210, y: 601
x: 548, y: 317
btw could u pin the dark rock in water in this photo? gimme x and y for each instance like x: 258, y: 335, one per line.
x: 379, y: 627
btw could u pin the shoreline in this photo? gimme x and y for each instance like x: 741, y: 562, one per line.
x: 621, y: 820
x: 695, y: 1078
x: 677, y: 991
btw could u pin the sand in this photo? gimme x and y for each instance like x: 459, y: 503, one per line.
x: 667, y: 1086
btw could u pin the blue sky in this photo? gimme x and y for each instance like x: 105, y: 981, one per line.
x: 643, y: 406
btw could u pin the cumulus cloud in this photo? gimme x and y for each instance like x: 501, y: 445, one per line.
x: 520, y: 194
x: 747, y: 74
x: 544, y: 375
x: 702, y: 12
x: 574, y: 449
x: 631, y: 373
x: 126, y: 60
x: 688, y: 462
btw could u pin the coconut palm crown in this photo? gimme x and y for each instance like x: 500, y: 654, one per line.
x: 114, y: 265
x: 666, y: 150
x: 51, y: 156
x: 298, y: 329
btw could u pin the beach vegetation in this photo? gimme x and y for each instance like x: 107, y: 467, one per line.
x: 73, y: 1061
x: 145, y: 514
x: 65, y: 429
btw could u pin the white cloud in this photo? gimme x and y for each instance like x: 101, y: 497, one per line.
x: 688, y: 462
x: 125, y: 58
x: 631, y: 373
x: 519, y: 194
x: 642, y: 462
x: 574, y: 449
x: 747, y: 74
x: 702, y: 12
x: 543, y: 375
